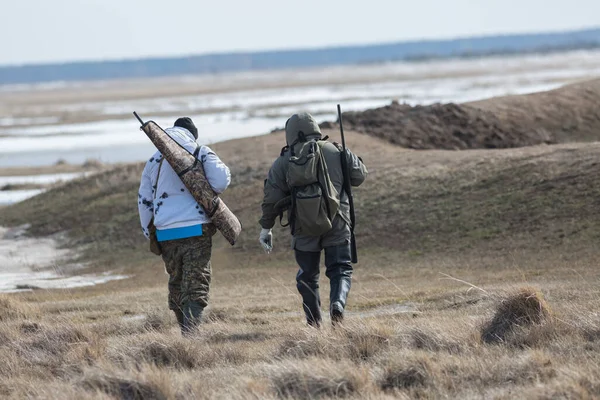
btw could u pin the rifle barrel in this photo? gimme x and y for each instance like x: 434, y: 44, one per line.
x: 348, y: 189
x: 341, y: 127
x: 138, y: 118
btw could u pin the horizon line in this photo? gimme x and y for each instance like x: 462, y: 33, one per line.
x: 292, y: 49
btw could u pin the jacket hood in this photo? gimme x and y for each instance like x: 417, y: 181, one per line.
x: 301, y: 124
x: 180, y: 131
x: 183, y: 137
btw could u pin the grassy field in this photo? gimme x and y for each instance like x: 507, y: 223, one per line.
x: 477, y: 279
x: 497, y: 220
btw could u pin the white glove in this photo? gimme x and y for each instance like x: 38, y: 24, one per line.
x: 266, y: 240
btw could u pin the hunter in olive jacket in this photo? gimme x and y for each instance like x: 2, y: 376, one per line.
x: 276, y: 188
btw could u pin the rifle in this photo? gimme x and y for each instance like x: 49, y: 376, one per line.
x: 348, y: 188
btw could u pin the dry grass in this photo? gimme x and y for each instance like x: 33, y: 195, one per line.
x: 248, y: 353
x: 451, y: 238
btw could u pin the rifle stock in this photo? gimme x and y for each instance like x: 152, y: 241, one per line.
x: 348, y: 189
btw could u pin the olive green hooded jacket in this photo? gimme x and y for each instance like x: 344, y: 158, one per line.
x: 276, y: 188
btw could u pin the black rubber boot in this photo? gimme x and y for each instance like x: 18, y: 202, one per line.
x: 339, y: 272
x: 179, y: 316
x: 307, y: 282
x: 192, y: 316
x: 340, y: 287
x: 311, y: 303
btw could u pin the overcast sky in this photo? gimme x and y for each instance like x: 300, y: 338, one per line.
x: 65, y: 30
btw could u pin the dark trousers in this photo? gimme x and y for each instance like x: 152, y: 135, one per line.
x: 338, y: 268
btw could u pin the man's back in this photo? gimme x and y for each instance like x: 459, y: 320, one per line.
x: 164, y: 197
x: 276, y: 186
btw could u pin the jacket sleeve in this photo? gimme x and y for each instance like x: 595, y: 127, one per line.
x: 358, y: 170
x: 275, y: 189
x: 145, y: 200
x: 217, y: 173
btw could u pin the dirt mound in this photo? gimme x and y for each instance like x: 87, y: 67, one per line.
x: 441, y: 126
x: 568, y: 114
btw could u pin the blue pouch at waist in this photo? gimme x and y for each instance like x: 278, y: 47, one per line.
x: 162, y: 235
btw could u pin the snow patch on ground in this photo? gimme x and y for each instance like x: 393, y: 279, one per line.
x: 37, y: 263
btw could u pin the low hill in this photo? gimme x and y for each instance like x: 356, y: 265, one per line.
x: 414, y: 202
x: 568, y: 114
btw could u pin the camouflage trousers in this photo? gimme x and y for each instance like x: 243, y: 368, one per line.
x: 187, y: 261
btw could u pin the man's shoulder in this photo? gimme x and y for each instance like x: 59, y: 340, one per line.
x: 330, y: 147
x: 282, y: 160
x: 280, y: 165
x: 154, y: 160
x: 205, y: 152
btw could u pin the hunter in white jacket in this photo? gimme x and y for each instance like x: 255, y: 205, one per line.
x: 166, y: 198
x: 182, y: 226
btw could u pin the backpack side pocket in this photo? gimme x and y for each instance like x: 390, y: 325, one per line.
x: 310, y: 213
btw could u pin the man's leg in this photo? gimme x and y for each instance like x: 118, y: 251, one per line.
x: 173, y: 262
x: 338, y: 262
x: 196, y: 276
x: 307, y: 282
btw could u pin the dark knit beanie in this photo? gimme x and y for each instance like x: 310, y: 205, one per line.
x: 186, y: 122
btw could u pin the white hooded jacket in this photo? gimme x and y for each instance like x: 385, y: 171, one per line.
x: 166, y: 198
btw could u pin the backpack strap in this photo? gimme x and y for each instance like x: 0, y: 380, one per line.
x: 196, y: 160
x: 197, y: 150
x: 158, y: 176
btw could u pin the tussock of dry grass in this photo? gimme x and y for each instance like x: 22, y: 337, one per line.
x: 356, y: 340
x: 315, y: 378
x: 406, y: 375
x: 427, y: 339
x: 128, y: 327
x: 157, y: 350
x: 156, y: 322
x: 221, y: 337
x: 27, y: 327
x: 12, y: 309
x: 57, y: 340
x: 56, y: 350
x: 123, y: 388
x: 523, y: 309
x: 569, y: 388
x: 173, y: 351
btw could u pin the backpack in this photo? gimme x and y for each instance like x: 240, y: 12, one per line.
x: 314, y: 200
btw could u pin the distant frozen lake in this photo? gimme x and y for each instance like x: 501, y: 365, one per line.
x: 231, y: 113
